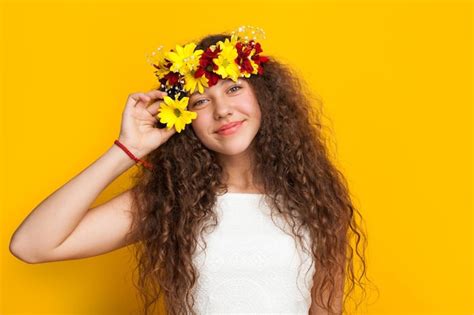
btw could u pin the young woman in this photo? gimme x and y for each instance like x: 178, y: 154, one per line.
x: 241, y: 211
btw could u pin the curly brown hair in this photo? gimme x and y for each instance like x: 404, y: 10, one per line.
x: 175, y: 201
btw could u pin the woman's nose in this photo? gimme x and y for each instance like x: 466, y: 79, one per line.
x: 222, y: 108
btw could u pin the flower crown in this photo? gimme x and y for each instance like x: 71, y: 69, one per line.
x: 185, y: 69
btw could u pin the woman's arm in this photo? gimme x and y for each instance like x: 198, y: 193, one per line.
x: 52, y: 231
x: 56, y: 217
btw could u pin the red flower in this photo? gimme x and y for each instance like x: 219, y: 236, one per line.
x: 259, y: 60
x: 207, y: 66
x: 172, y: 77
x: 243, y: 51
x: 212, y: 78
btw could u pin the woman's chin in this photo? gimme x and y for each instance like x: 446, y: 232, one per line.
x: 235, y: 147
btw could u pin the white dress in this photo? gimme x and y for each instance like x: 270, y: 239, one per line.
x: 250, y: 266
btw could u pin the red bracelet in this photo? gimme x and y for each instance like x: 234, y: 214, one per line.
x: 130, y: 154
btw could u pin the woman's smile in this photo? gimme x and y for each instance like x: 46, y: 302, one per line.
x: 231, y: 130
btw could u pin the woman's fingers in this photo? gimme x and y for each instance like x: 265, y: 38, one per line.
x: 153, y: 108
x: 156, y: 96
x: 144, y: 99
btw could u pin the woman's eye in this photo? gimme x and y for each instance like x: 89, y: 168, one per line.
x: 235, y: 86
x: 197, y: 103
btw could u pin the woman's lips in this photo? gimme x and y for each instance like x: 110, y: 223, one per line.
x: 230, y: 130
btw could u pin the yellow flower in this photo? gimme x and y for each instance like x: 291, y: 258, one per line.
x: 161, y: 72
x: 191, y: 83
x: 157, y: 59
x: 226, y: 60
x: 173, y: 112
x: 184, y: 59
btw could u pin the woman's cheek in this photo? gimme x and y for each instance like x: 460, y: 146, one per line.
x: 198, y: 123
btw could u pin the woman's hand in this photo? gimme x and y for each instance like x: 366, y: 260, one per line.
x: 138, y: 132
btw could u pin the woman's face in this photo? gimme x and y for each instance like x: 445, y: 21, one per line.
x: 226, y: 102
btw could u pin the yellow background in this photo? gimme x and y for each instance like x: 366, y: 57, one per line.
x: 396, y: 81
